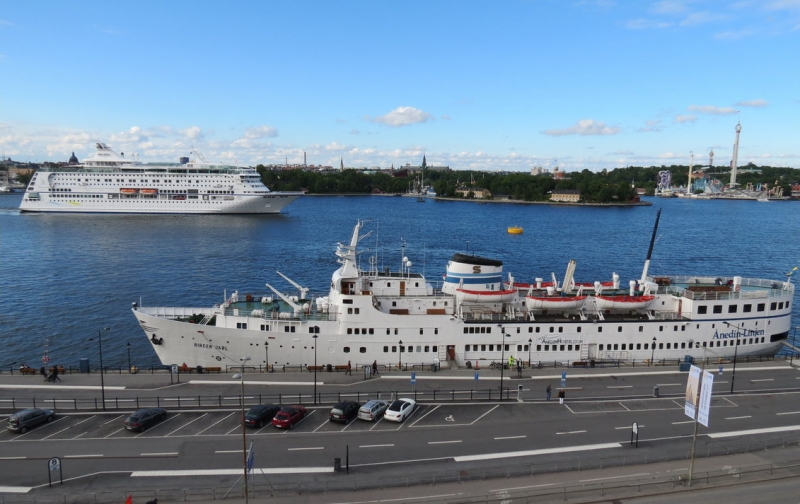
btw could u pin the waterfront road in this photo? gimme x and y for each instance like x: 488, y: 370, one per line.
x: 450, y: 440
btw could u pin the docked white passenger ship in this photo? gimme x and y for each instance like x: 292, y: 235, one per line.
x: 474, y: 317
x: 109, y: 182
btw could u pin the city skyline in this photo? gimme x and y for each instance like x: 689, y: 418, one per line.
x: 475, y: 86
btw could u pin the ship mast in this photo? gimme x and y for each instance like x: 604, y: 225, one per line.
x: 650, y: 250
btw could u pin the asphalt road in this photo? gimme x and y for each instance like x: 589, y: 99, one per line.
x: 593, y: 429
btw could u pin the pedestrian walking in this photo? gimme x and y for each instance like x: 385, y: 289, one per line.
x: 519, y: 369
x: 55, y: 374
x: 561, y: 396
x: 349, y: 368
x: 375, y: 367
x: 549, y: 392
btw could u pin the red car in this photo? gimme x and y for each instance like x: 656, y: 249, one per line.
x: 288, y: 416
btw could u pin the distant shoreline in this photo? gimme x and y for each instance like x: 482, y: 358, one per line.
x: 481, y: 201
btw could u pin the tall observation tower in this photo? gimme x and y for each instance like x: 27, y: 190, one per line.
x: 735, y: 156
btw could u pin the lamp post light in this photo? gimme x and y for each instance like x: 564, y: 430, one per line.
x: 129, y: 356
x: 530, y: 344
x: 502, y: 356
x: 266, y: 356
x: 652, y: 351
x: 400, y: 355
x: 735, y: 353
x: 240, y: 377
x: 315, y: 368
x: 100, y: 333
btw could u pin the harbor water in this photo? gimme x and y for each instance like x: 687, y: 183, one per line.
x: 67, y: 277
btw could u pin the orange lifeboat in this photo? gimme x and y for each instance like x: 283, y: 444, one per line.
x: 149, y: 191
x: 126, y: 190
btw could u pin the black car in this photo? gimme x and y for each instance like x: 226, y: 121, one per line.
x: 142, y: 419
x: 23, y: 420
x: 260, y: 415
x: 344, y: 412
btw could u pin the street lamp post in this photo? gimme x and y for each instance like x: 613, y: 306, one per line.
x: 266, y: 351
x: 100, y: 333
x: 502, y: 356
x: 315, y: 368
x: 530, y: 344
x: 735, y: 353
x: 652, y: 351
x: 240, y: 377
x: 400, y: 355
x: 129, y: 356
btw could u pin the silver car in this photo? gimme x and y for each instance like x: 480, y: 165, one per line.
x: 23, y: 420
x: 372, y: 410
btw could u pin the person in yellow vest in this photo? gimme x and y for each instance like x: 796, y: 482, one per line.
x: 510, y: 362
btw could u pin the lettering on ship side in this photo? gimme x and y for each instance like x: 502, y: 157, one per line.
x: 211, y: 347
x: 558, y: 340
x: 736, y: 333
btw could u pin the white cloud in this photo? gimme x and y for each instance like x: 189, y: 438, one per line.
x: 710, y: 109
x: 585, y: 127
x: 753, y: 103
x: 260, y: 132
x: 701, y: 18
x: 680, y: 119
x: 646, y: 24
x: 403, y: 116
x: 192, y: 133
x: 651, y: 125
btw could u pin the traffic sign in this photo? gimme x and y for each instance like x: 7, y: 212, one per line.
x: 55, y: 464
x: 413, y: 378
x: 477, y: 374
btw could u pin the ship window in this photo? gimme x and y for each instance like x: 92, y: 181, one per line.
x: 357, y: 311
x: 546, y: 348
x: 751, y: 341
x: 395, y: 331
x: 561, y: 348
x: 419, y: 348
x: 435, y: 330
x: 772, y: 306
x: 639, y: 346
x: 641, y: 328
x: 241, y: 325
x: 349, y: 311
x: 371, y: 330
x: 601, y: 347
x: 561, y: 329
x: 385, y: 348
x: 292, y: 329
x: 427, y: 348
x: 661, y: 346
x: 466, y: 330
x: 346, y: 349
x: 530, y: 329
x: 577, y: 347
x: 483, y: 348
x: 702, y: 309
x: 579, y: 329
x: 622, y: 347
x: 668, y: 345
x: 661, y: 328
x: 675, y: 328
x: 362, y: 349
x: 552, y: 328
x: 600, y: 329
x: 394, y: 303
x: 616, y: 346
x: 732, y: 308
x: 538, y: 329
x: 619, y: 328
x: 717, y: 308
x: 388, y: 331
x: 538, y: 348
x: 388, y: 284
x: 394, y: 348
x: 421, y: 331
x: 347, y: 301
x: 760, y: 307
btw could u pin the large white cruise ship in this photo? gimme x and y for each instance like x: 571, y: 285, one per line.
x: 109, y: 182
x: 474, y: 318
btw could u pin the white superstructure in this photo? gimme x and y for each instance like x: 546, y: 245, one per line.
x: 372, y: 314
x: 109, y: 182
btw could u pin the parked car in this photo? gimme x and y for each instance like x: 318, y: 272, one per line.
x: 399, y: 410
x: 260, y: 415
x: 143, y: 419
x: 372, y: 410
x: 26, y: 419
x: 344, y: 412
x: 288, y: 416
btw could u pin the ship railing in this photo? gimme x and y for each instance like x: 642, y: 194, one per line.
x: 176, y: 312
x: 284, y: 315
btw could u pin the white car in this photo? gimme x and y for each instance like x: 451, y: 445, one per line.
x: 399, y: 410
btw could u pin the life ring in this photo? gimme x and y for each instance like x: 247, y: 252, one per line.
x: 737, y: 288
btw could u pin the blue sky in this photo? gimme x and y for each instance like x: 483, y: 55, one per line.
x: 483, y: 85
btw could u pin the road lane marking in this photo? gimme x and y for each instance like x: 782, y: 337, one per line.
x: 767, y: 430
x: 571, y: 432
x: 231, y: 472
x: 511, y: 489
x: 619, y: 386
x: 684, y: 422
x: 92, y: 455
x: 377, y: 445
x: 738, y: 417
x: 444, y: 442
x: 765, y: 379
x: 615, y: 477
x: 309, y: 448
x: 529, y: 453
x: 187, y: 424
x: 510, y: 437
x: 497, y: 406
x: 166, y: 454
x: 217, y: 422
x: 789, y: 413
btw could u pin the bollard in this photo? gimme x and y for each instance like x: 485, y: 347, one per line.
x: 655, y: 391
x: 337, y: 464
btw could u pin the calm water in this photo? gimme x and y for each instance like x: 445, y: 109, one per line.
x: 64, y: 277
